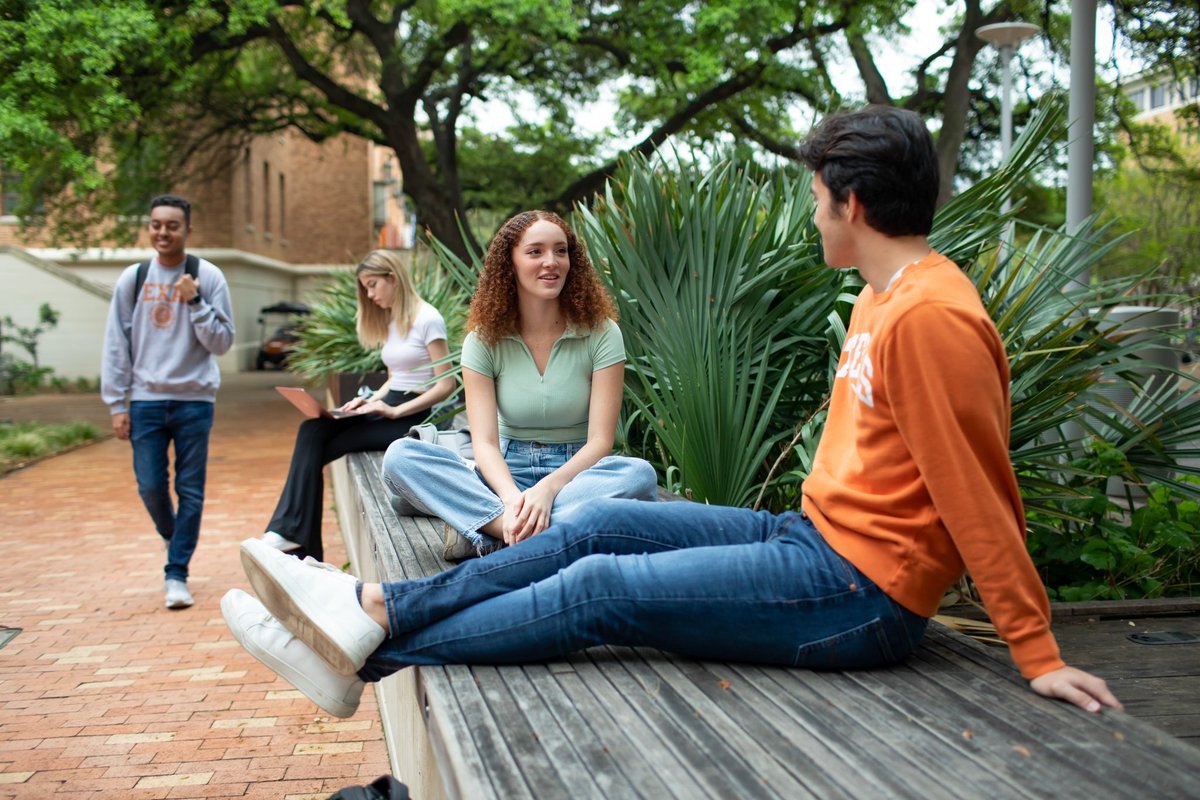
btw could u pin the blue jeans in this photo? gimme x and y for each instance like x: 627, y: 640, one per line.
x: 708, y: 582
x: 440, y: 481
x: 154, y: 424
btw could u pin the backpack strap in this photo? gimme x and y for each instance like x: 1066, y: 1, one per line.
x: 191, y: 266
x: 143, y: 270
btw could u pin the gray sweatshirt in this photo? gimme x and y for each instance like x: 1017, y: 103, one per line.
x: 163, y: 348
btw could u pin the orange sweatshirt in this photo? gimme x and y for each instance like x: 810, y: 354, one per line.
x: 912, y: 480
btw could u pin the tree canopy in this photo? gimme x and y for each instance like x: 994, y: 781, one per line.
x: 153, y: 85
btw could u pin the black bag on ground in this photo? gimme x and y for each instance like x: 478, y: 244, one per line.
x: 385, y: 787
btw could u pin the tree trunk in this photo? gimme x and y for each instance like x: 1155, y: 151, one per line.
x: 436, y: 212
x: 957, y: 99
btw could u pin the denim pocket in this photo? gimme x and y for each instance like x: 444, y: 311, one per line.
x: 863, y: 646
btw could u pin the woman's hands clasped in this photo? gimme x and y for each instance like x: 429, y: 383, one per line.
x: 529, y: 513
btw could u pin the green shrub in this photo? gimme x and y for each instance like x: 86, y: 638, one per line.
x: 25, y: 445
x: 29, y: 441
x: 1095, y: 549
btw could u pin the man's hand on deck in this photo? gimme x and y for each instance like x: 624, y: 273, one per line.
x: 120, y: 423
x: 1078, y: 687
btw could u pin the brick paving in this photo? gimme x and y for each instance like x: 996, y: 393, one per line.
x: 107, y: 694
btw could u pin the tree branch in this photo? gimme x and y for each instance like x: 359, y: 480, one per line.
x: 877, y: 91
x: 764, y: 141
x: 334, y: 92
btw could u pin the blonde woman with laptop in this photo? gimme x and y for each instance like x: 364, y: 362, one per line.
x: 413, y: 336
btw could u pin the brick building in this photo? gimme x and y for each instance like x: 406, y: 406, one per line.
x: 277, y: 216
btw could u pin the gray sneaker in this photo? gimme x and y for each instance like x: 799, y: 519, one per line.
x: 178, y: 595
x: 456, y: 547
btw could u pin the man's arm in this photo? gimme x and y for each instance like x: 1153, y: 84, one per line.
x: 947, y: 383
x: 116, y: 365
x: 212, y: 315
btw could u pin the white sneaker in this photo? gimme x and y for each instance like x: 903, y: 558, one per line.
x: 315, y: 601
x: 279, y: 542
x: 265, y: 638
x: 178, y: 595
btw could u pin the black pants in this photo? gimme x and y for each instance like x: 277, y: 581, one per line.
x: 298, y: 515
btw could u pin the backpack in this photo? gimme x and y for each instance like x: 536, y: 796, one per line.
x: 385, y: 787
x: 191, y: 266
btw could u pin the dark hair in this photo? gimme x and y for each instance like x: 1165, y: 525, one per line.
x: 885, y: 156
x: 174, y: 201
x: 494, y: 311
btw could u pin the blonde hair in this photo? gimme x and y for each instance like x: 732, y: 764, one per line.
x: 372, y: 320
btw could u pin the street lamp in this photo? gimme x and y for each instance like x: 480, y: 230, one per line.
x: 1007, y: 37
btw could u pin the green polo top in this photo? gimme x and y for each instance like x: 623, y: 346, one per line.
x: 550, y: 408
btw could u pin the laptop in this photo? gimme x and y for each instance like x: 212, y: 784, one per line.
x: 309, y: 406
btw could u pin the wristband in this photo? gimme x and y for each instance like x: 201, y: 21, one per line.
x: 195, y: 301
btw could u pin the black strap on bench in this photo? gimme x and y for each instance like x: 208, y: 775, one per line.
x: 191, y: 266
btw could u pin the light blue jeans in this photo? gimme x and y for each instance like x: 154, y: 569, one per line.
x: 709, y: 582
x: 440, y: 481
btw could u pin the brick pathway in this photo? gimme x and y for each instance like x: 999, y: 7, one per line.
x: 105, y: 693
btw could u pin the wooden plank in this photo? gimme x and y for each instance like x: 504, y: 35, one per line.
x: 1117, y: 747
x: 736, y: 724
x: 720, y: 769
x: 519, y: 735
x: 1103, y: 646
x: 678, y: 773
x: 460, y: 764
x: 615, y: 722
x: 1156, y: 607
x: 892, y: 765
x: 959, y: 719
x: 561, y: 748
x: 617, y: 768
x: 504, y: 773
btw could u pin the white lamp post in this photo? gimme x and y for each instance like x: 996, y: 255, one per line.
x: 1007, y: 37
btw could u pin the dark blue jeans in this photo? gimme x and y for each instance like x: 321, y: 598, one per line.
x: 709, y: 582
x: 154, y: 425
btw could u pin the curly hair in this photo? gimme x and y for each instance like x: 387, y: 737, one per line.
x: 494, y: 309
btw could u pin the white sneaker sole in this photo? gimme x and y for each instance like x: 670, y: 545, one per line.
x: 291, y: 605
x: 334, y: 705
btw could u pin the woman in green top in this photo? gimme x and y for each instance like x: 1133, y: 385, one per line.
x: 543, y: 370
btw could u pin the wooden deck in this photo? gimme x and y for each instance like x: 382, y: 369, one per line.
x: 954, y: 721
x: 1157, y: 683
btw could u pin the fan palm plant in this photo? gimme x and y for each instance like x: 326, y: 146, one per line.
x: 723, y: 300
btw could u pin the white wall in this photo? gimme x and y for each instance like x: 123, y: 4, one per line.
x: 72, y: 348
x: 79, y: 285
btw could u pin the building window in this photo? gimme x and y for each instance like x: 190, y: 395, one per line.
x: 247, y: 188
x: 266, y: 185
x: 1157, y: 95
x: 1138, y: 98
x: 282, y: 206
x: 10, y: 198
x: 10, y: 194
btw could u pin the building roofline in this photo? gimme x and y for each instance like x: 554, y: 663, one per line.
x: 123, y: 256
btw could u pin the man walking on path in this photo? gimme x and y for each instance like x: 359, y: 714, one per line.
x: 170, y: 318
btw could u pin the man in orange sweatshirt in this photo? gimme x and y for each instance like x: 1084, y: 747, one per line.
x: 911, y: 485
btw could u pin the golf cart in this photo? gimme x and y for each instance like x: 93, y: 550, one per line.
x: 276, y: 348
